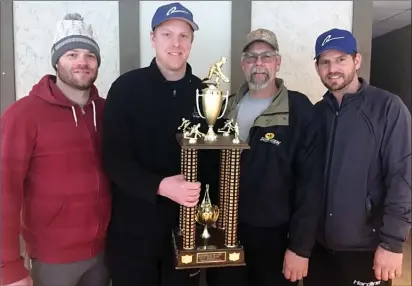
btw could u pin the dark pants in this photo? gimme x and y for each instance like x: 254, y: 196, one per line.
x: 341, y: 268
x: 264, y: 252
x: 149, y: 261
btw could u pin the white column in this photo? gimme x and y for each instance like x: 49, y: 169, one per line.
x: 34, y: 28
x: 297, y: 25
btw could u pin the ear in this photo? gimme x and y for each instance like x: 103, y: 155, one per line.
x: 152, y: 38
x: 317, y: 68
x: 358, y: 61
x: 278, y: 63
x: 242, y: 65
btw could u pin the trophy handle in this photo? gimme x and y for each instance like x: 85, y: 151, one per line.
x: 227, y: 100
x: 197, y: 103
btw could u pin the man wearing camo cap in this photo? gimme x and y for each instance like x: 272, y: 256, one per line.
x: 280, y: 180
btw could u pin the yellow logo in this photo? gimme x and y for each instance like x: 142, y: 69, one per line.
x: 269, y: 136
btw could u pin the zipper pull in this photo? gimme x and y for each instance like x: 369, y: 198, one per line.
x: 174, y: 93
x: 83, y: 112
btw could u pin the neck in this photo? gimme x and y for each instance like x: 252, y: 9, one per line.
x: 172, y: 75
x: 76, y: 96
x: 353, y: 87
x: 270, y: 90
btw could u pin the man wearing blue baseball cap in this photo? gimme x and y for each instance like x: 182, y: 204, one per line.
x: 143, y: 109
x: 366, y: 218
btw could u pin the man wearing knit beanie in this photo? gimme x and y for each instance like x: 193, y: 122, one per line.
x: 54, y: 191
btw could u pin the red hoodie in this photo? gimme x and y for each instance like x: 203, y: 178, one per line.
x: 53, y: 189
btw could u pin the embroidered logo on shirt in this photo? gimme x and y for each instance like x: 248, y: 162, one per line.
x: 270, y: 138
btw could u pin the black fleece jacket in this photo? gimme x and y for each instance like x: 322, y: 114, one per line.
x: 141, y: 116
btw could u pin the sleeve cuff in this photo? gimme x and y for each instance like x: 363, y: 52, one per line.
x: 13, y: 272
x: 392, y: 246
x: 300, y: 252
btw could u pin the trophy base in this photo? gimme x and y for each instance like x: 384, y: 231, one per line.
x: 207, y: 253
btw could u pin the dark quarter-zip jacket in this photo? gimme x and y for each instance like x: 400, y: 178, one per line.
x: 281, y: 174
x: 367, y: 170
x: 142, y: 113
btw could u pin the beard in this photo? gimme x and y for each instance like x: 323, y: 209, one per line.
x: 335, y: 86
x: 71, y: 80
x: 258, y: 83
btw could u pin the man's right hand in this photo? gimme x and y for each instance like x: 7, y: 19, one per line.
x: 179, y: 190
x: 24, y: 282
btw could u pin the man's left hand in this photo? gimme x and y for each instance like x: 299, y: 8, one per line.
x: 387, y: 264
x: 295, y: 267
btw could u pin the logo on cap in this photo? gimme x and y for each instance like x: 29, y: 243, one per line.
x: 329, y: 38
x: 174, y: 10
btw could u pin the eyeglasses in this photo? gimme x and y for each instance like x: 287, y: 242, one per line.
x: 265, y: 57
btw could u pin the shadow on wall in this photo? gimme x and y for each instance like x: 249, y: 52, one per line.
x: 391, y: 63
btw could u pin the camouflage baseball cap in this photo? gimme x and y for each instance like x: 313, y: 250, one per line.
x: 262, y: 35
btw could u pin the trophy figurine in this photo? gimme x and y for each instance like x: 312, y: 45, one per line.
x: 184, y: 126
x: 206, y: 214
x: 194, y: 131
x: 212, y: 99
x: 236, y: 139
x: 227, y: 128
x: 207, y: 235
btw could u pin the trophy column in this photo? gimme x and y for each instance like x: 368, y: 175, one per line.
x: 188, y: 215
x: 221, y: 222
x: 232, y: 198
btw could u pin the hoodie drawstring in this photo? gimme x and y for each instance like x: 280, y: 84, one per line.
x: 94, y: 116
x: 74, y: 115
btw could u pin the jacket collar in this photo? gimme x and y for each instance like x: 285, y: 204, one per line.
x: 157, y: 74
x: 349, y: 96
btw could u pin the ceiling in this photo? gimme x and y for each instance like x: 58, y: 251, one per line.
x: 390, y: 15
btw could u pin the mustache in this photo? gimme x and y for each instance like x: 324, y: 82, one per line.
x: 256, y: 70
x: 335, y: 74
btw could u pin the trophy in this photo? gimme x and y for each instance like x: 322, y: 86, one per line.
x: 212, y: 98
x: 207, y: 233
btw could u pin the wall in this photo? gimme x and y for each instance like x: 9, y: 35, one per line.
x: 34, y: 35
x: 122, y: 28
x: 391, y: 63
x: 297, y: 25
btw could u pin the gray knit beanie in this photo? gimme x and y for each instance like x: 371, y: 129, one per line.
x: 73, y: 33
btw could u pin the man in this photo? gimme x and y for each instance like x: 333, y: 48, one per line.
x: 280, y: 180
x: 367, y: 202
x: 143, y: 111
x: 51, y: 176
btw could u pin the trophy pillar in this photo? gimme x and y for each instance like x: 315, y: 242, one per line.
x: 188, y: 215
x: 221, y: 222
x: 232, y: 208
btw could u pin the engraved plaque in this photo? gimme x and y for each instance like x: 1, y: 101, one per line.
x: 208, y: 257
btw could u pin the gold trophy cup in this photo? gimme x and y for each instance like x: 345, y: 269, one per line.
x: 206, y: 214
x: 212, y: 99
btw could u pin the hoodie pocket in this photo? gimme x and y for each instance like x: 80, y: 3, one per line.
x: 39, y: 214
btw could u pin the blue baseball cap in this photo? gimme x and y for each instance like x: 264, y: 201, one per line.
x: 173, y: 11
x: 336, y: 39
